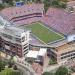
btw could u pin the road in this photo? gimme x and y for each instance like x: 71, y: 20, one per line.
x: 24, y: 70
x: 51, y: 68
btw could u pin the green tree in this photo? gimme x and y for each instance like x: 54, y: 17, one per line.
x: 9, y: 65
x: 15, y: 67
x: 1, y: 6
x: 47, y: 73
x: 62, y: 71
x: 10, y: 2
x: 54, y: 3
x: 2, y: 65
x: 63, y: 1
x: 59, y: 3
x: 46, y: 4
x: 62, y: 4
x: 0, y: 68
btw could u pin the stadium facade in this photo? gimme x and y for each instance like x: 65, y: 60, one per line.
x: 19, y: 41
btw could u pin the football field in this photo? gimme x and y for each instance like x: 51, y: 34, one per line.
x: 43, y: 33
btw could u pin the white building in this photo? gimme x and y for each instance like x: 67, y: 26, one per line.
x: 15, y: 40
x: 37, y: 56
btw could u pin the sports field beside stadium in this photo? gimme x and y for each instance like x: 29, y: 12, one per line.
x: 43, y: 33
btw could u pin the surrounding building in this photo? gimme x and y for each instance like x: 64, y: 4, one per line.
x: 17, y: 39
x: 64, y: 52
x: 14, y: 40
x: 37, y: 56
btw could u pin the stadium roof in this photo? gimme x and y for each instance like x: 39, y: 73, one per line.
x: 57, y: 44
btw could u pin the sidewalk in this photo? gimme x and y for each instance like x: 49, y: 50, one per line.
x: 24, y: 64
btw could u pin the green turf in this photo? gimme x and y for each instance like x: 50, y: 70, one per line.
x: 6, y: 72
x: 9, y: 71
x: 44, y: 33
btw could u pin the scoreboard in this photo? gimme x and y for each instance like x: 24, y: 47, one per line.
x: 18, y: 4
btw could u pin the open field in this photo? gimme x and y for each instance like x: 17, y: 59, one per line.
x: 43, y: 33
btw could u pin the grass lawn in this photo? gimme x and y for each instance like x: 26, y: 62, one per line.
x: 9, y: 71
x: 44, y: 33
x: 6, y: 71
x: 52, y: 61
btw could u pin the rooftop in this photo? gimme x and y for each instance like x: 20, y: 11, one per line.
x: 59, y: 43
x: 35, y: 54
x: 32, y: 54
x: 42, y: 51
x: 66, y: 47
x: 14, y: 31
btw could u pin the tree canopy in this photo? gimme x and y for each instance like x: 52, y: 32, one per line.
x: 47, y: 73
x: 61, y: 71
x: 1, y: 6
x: 54, y: 3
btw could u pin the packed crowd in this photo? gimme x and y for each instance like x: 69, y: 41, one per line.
x: 25, y: 14
x: 56, y: 18
x: 60, y: 20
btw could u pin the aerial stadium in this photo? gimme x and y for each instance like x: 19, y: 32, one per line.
x: 32, y: 19
x: 39, y: 33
